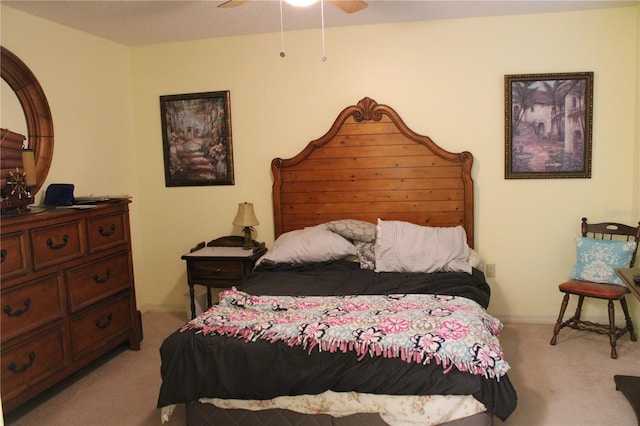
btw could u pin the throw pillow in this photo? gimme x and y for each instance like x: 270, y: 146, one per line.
x: 312, y: 244
x: 407, y: 247
x: 352, y: 229
x: 597, y: 259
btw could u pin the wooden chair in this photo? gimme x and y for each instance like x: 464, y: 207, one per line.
x: 609, y: 292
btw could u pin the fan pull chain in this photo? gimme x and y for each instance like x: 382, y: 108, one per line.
x: 324, y: 57
x: 282, y: 54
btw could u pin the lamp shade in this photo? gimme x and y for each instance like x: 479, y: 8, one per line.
x: 29, y: 166
x: 245, y: 215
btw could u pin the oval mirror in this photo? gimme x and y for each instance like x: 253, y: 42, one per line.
x: 36, y: 111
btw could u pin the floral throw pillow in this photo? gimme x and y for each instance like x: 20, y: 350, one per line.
x: 597, y: 259
x: 353, y: 229
x: 366, y: 254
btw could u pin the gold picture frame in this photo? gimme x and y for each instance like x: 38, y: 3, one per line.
x: 548, y: 125
x: 196, y: 136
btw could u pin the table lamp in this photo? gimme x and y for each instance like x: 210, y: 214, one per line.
x: 247, y: 219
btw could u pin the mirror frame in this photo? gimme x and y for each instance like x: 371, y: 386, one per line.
x: 36, y: 110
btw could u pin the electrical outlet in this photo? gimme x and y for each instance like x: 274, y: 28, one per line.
x: 490, y: 270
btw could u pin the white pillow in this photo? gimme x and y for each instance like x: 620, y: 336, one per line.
x: 475, y: 260
x: 407, y: 247
x: 312, y: 244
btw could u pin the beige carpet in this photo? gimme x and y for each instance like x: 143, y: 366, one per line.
x: 567, y: 384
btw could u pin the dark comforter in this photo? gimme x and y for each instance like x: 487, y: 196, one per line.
x: 204, y: 366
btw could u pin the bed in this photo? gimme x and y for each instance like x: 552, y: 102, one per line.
x: 370, y: 308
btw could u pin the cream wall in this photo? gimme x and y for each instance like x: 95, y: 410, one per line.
x: 445, y: 78
x: 88, y: 84
x: 87, y: 81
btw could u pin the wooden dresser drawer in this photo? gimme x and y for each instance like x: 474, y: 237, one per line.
x: 57, y: 243
x: 214, y: 270
x: 106, y: 231
x: 28, y: 306
x: 96, y: 327
x: 13, y: 255
x: 26, y: 364
x: 67, y: 294
x: 89, y: 283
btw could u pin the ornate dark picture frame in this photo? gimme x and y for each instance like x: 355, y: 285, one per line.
x: 196, y: 136
x: 548, y: 125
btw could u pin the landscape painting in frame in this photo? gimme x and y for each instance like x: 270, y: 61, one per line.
x: 196, y: 136
x: 548, y: 125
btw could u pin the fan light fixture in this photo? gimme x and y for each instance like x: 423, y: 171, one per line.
x: 347, y: 6
x: 301, y: 3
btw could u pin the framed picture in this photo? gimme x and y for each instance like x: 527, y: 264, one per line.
x: 548, y: 125
x: 196, y: 137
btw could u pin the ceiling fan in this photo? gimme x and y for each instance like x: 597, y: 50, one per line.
x: 348, y: 6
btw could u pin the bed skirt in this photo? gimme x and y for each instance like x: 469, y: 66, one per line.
x: 202, y: 414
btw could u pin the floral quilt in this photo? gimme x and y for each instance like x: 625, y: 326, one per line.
x: 421, y: 328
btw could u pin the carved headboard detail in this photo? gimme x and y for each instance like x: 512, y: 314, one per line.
x: 370, y: 165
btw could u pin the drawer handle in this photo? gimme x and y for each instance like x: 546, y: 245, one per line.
x: 3, y: 255
x: 13, y: 367
x: 108, y: 233
x: 9, y: 311
x: 65, y: 240
x: 106, y: 324
x: 103, y: 280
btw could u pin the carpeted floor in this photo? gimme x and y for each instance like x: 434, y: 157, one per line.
x: 567, y: 384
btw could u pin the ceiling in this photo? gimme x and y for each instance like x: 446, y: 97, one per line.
x: 142, y: 22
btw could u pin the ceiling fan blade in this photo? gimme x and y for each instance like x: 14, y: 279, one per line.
x: 232, y: 3
x: 349, y: 6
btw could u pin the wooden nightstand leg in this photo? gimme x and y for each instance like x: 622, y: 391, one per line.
x: 193, y: 301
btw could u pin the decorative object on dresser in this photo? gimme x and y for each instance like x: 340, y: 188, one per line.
x: 68, y: 294
x: 18, y: 173
x: 221, y: 263
x: 246, y: 218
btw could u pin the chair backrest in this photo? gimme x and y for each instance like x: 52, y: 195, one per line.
x: 606, y: 230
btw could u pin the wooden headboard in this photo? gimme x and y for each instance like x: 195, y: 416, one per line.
x: 370, y: 165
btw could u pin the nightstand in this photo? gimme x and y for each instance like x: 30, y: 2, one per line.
x: 630, y: 385
x: 221, y: 263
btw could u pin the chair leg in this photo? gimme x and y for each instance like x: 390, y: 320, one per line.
x: 627, y: 318
x: 612, y: 330
x: 579, y: 309
x: 558, y: 326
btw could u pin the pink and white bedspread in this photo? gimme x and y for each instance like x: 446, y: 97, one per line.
x: 420, y: 328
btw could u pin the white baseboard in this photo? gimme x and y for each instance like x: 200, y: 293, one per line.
x: 527, y: 319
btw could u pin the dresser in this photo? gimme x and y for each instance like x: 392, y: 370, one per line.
x: 68, y: 294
